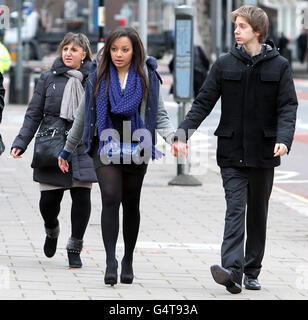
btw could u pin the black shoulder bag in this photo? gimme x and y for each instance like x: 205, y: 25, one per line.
x: 49, y: 142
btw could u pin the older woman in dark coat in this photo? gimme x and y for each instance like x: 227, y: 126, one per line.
x: 57, y: 95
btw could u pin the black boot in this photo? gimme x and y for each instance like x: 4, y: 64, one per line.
x: 74, y: 247
x: 127, y: 274
x: 51, y: 241
x: 111, y: 274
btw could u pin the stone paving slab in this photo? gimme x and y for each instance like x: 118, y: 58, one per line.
x: 180, y: 236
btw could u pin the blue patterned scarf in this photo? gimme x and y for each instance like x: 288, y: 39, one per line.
x: 126, y: 104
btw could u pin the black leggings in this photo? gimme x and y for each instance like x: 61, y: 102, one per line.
x: 118, y: 186
x: 80, y: 211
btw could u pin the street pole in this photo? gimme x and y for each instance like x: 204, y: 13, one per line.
x: 183, y: 80
x: 218, y: 27
x: 90, y: 16
x: 19, y: 68
x: 229, y: 24
x: 143, y: 22
x: 101, y: 24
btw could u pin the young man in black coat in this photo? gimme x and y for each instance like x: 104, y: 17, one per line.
x: 258, y: 114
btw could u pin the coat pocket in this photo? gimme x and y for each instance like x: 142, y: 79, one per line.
x: 232, y: 87
x: 224, y: 142
x: 50, y: 98
x: 270, y: 135
x: 269, y: 84
x: 224, y: 132
x: 270, y: 76
x: 231, y: 75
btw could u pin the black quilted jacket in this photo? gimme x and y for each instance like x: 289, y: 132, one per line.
x: 45, y: 107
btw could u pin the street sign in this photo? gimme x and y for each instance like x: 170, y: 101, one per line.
x: 4, y: 17
x: 183, y: 81
x: 183, y: 60
x: 101, y: 17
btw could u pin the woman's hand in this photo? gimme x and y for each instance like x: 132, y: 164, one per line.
x: 63, y: 165
x: 15, y: 153
x: 179, y: 149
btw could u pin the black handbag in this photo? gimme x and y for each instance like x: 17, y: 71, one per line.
x: 49, y: 142
x: 2, y: 146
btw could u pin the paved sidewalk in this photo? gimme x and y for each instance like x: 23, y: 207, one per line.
x: 180, y: 236
x: 300, y: 70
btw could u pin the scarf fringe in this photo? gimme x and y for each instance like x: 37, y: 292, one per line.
x: 156, y: 154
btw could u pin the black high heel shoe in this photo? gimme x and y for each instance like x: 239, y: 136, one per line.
x: 111, y: 274
x: 127, y: 274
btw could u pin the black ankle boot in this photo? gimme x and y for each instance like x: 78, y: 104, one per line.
x: 111, y: 274
x: 51, y: 240
x: 127, y: 274
x: 74, y: 247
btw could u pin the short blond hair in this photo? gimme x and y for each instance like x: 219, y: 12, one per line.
x: 256, y: 17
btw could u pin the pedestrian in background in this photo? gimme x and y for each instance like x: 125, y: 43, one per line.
x: 2, y: 93
x: 302, y: 45
x: 57, y: 95
x: 122, y: 95
x: 5, y: 57
x: 282, y: 45
x: 256, y: 128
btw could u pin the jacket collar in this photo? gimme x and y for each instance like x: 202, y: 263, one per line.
x: 152, y: 65
x: 268, y: 51
x: 59, y: 67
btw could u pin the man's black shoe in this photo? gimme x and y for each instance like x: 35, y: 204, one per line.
x: 224, y: 277
x: 251, y: 283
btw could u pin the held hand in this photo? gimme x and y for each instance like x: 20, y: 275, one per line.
x: 179, y: 149
x: 280, y: 149
x: 63, y: 165
x: 15, y: 153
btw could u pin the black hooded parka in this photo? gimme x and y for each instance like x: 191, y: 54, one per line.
x: 258, y: 107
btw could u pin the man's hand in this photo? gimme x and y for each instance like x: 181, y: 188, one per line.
x: 179, y: 149
x: 15, y: 153
x: 280, y: 149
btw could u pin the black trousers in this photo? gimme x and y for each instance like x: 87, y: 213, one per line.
x: 245, y: 188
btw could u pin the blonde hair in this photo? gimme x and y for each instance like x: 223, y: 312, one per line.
x: 256, y: 17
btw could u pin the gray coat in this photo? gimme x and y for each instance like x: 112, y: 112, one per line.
x: 45, y: 107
